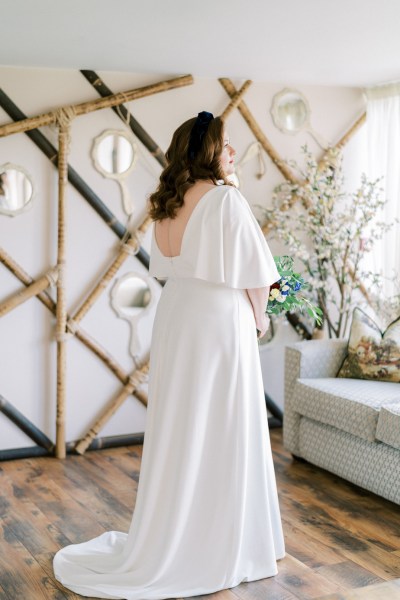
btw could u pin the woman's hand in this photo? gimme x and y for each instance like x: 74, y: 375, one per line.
x: 259, y: 298
x: 263, y: 325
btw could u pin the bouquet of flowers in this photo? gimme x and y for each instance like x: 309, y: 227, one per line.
x: 284, y: 294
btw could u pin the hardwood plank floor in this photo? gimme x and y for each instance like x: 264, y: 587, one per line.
x: 342, y: 542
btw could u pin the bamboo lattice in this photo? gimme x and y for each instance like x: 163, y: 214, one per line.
x: 79, y: 332
x: 67, y: 324
x: 93, y: 105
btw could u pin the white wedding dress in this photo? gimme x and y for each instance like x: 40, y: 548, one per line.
x: 207, y: 515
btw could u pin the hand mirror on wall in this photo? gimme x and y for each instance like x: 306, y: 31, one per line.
x: 291, y: 113
x: 114, y: 154
x: 131, y: 298
x: 16, y: 189
x: 253, y: 151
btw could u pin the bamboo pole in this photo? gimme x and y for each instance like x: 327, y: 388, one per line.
x: 134, y: 381
x: 84, y: 337
x: 114, y: 441
x: 130, y: 247
x: 32, y: 290
x: 236, y: 99
x: 123, y: 113
x: 349, y: 134
x: 25, y: 425
x: 87, y: 107
x: 61, y: 311
x: 26, y: 279
x: 255, y: 128
x: 104, y: 280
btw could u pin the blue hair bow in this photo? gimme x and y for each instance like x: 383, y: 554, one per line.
x: 198, y: 132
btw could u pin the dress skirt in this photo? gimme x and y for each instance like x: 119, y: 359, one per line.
x: 206, y: 516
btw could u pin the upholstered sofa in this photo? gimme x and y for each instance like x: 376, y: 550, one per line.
x: 350, y: 427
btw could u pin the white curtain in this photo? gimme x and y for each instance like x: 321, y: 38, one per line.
x: 383, y: 135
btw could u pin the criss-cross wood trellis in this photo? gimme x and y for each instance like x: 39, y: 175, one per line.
x: 70, y: 325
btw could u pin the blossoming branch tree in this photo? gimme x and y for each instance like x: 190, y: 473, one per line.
x: 329, y: 230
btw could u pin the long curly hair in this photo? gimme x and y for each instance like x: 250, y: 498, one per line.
x: 181, y: 172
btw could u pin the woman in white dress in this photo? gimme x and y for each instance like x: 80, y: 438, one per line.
x: 206, y: 516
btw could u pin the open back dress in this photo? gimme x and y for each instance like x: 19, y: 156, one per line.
x: 206, y: 516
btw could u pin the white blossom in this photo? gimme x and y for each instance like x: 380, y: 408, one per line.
x: 329, y: 230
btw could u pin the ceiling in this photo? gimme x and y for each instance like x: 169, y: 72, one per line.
x: 341, y: 43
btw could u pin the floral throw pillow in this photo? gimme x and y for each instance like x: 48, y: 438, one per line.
x: 371, y: 353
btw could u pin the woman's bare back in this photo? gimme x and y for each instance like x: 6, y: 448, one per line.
x: 175, y: 228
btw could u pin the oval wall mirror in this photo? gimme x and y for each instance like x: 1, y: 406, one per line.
x: 291, y: 113
x: 16, y: 189
x: 131, y: 297
x: 114, y: 154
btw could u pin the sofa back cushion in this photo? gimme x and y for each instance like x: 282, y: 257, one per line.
x: 372, y: 354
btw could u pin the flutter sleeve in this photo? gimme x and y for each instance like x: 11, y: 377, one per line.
x: 232, y: 248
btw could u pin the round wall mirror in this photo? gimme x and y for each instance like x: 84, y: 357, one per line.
x: 114, y: 154
x: 16, y: 189
x: 290, y: 111
x: 131, y: 298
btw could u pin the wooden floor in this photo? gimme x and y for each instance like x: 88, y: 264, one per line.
x: 342, y: 543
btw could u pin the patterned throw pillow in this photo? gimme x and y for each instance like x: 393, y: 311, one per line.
x: 372, y: 354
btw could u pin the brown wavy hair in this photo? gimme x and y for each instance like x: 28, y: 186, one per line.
x: 181, y: 172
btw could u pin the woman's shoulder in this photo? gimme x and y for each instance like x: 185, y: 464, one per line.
x: 230, y: 194
x: 232, y: 199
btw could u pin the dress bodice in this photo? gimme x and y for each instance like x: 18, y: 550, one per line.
x: 222, y: 243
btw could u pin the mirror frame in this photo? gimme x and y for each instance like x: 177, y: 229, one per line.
x: 28, y: 205
x: 134, y: 343
x: 97, y: 141
x: 275, y: 111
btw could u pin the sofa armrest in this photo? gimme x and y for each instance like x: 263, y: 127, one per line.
x: 307, y: 359
x: 312, y: 359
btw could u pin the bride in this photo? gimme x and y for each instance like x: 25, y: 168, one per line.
x: 207, y: 515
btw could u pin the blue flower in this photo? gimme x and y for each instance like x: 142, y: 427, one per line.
x: 297, y: 286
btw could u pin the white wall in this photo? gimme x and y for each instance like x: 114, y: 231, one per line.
x: 27, y: 346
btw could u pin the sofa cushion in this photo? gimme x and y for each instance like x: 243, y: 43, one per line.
x: 351, y: 405
x: 372, y: 354
x: 388, y: 428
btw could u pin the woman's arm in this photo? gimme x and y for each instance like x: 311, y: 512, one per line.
x: 259, y: 298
